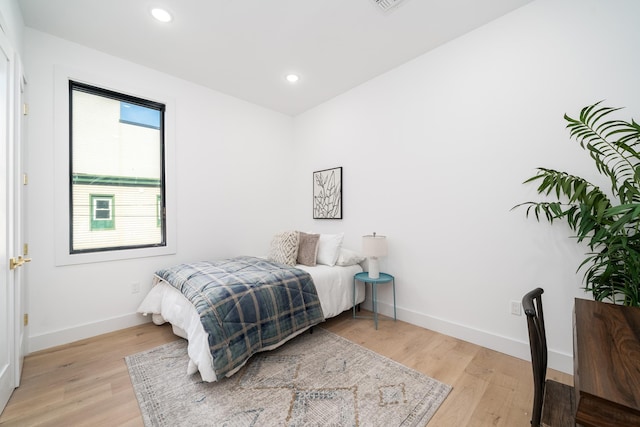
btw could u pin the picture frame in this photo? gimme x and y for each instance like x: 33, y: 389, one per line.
x: 327, y: 194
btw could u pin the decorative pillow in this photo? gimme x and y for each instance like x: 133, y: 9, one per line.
x: 329, y: 248
x: 308, y: 248
x: 348, y: 257
x: 284, y: 248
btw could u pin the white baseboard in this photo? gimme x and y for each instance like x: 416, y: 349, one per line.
x: 556, y: 360
x: 65, y: 336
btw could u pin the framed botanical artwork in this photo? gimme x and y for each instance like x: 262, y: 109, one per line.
x: 327, y: 194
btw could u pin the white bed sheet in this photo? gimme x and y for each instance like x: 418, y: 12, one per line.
x: 166, y: 304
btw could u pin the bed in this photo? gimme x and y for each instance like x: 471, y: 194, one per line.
x: 218, y: 348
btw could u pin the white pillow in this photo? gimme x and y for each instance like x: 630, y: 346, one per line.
x: 348, y: 257
x: 329, y: 248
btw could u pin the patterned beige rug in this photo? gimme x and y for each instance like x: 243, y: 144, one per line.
x: 317, y: 379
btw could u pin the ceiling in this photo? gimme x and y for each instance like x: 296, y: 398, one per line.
x: 244, y: 48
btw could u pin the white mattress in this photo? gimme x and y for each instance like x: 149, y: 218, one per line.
x: 167, y: 304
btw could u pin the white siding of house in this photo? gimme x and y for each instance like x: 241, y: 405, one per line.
x: 130, y: 205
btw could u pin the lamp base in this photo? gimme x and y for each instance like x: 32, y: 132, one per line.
x: 374, y: 268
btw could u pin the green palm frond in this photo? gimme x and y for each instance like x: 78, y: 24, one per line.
x: 612, y: 145
x: 614, y: 271
x: 611, y: 231
x: 584, y: 207
x: 573, y: 188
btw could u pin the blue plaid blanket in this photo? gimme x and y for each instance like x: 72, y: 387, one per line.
x: 246, y: 304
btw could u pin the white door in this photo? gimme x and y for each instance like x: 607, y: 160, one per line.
x: 20, y: 246
x: 7, y: 215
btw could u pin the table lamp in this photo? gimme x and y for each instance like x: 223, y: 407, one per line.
x: 374, y: 246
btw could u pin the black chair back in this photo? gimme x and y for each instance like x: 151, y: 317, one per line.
x: 532, y: 305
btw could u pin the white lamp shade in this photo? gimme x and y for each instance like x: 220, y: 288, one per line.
x: 374, y: 245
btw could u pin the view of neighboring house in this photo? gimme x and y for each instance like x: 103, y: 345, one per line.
x: 116, y: 172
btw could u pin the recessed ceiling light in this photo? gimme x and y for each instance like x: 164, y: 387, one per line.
x: 161, y: 15
x: 292, y: 78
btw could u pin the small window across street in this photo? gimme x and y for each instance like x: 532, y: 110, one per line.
x: 102, y: 212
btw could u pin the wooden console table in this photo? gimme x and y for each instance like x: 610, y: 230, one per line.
x: 606, y: 352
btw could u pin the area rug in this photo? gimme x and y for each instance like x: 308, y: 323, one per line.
x: 316, y: 379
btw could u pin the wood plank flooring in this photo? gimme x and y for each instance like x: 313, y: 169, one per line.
x: 87, y: 383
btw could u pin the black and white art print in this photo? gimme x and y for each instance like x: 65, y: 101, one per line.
x: 327, y: 194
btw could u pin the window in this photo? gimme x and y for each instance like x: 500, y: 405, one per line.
x: 116, y: 150
x: 102, y: 213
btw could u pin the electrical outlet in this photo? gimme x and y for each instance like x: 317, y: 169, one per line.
x: 516, y: 308
x: 135, y: 287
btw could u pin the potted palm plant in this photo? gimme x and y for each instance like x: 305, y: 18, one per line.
x: 607, y: 223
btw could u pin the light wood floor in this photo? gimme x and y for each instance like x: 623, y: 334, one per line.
x: 87, y: 382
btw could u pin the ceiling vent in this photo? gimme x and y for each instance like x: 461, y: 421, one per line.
x: 386, y: 5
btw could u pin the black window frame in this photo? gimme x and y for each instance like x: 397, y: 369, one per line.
x: 95, y: 90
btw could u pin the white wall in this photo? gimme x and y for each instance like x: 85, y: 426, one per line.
x: 225, y: 205
x: 435, y: 151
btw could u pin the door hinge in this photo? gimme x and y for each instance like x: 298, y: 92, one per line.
x: 25, y: 109
x: 25, y: 179
x: 26, y: 319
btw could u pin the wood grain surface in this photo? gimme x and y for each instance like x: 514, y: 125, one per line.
x: 607, y: 364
